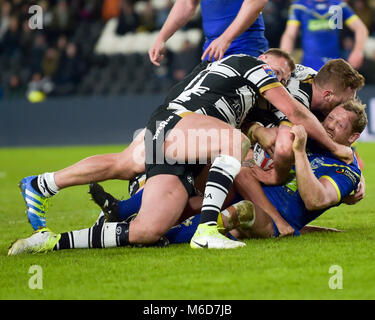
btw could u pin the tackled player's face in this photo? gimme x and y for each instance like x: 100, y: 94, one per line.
x: 334, y: 98
x: 279, y: 66
x: 338, y: 125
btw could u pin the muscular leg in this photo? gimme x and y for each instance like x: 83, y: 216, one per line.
x: 261, y: 227
x: 250, y: 189
x: 124, y: 165
x: 218, y: 141
x: 164, y: 199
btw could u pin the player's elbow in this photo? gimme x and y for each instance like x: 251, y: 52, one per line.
x: 316, y: 202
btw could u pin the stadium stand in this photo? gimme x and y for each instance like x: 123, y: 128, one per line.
x: 99, y: 47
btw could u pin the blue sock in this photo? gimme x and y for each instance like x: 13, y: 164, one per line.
x: 129, y: 206
x: 183, y: 232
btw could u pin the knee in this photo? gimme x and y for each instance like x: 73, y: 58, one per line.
x: 126, y: 166
x: 145, y: 233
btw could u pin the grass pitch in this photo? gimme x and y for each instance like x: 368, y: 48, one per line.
x: 290, y: 268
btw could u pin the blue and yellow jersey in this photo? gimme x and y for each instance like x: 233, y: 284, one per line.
x: 287, y: 200
x: 320, y: 23
x: 217, y: 15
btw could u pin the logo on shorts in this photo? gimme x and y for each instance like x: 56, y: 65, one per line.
x: 161, y: 126
x: 118, y: 230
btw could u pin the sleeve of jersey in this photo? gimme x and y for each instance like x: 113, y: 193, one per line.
x: 348, y: 15
x: 262, y: 78
x: 343, y: 179
x: 294, y: 15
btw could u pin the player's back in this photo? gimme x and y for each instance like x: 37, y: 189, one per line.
x: 217, y: 15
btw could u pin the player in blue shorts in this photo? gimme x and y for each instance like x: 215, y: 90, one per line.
x: 229, y: 27
x: 320, y: 22
x: 321, y: 182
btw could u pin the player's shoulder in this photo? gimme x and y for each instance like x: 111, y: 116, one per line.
x: 303, y: 73
x: 350, y: 170
x: 240, y: 62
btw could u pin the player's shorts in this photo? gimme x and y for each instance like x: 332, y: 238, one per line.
x: 284, y: 202
x: 158, y: 127
x: 186, y: 178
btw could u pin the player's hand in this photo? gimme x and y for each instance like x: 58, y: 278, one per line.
x: 216, y: 49
x: 300, y: 138
x: 356, y: 59
x: 156, y: 52
x: 358, y: 195
x: 266, y: 137
x: 267, y: 177
x: 284, y: 228
x: 344, y: 153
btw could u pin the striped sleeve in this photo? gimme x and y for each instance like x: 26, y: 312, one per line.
x: 262, y: 77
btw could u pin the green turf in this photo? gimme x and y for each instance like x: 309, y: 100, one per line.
x: 293, y: 268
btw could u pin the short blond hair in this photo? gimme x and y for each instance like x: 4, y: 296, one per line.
x: 341, y: 74
x: 282, y: 54
x: 356, y: 106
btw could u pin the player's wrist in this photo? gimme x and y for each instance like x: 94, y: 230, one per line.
x: 251, y: 132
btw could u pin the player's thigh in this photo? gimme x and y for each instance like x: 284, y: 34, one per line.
x: 201, y: 137
x: 131, y: 161
x: 163, y: 201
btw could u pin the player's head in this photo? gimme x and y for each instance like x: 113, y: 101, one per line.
x: 345, y: 123
x: 336, y: 82
x: 281, y: 63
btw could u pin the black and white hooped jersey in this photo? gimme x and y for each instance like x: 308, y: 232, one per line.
x: 299, y: 86
x: 226, y: 89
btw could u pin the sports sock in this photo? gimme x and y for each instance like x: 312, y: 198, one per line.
x: 220, y: 178
x: 128, y: 207
x: 100, y: 235
x: 45, y: 184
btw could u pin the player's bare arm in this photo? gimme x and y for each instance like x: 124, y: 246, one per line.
x: 298, y: 114
x: 247, y: 15
x: 316, y: 193
x: 181, y: 13
x: 360, y: 37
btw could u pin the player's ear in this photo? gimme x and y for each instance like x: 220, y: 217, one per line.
x: 354, y: 137
x: 262, y: 57
x: 327, y: 95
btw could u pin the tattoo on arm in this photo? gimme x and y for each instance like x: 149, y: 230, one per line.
x: 248, y: 163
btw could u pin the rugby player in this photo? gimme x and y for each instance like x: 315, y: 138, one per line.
x: 217, y: 97
x: 229, y: 27
x: 321, y: 181
x: 335, y: 83
x: 320, y: 22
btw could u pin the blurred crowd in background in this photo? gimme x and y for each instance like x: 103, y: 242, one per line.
x: 60, y: 58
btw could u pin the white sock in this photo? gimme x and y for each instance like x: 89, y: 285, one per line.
x: 220, y: 178
x: 47, y: 185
